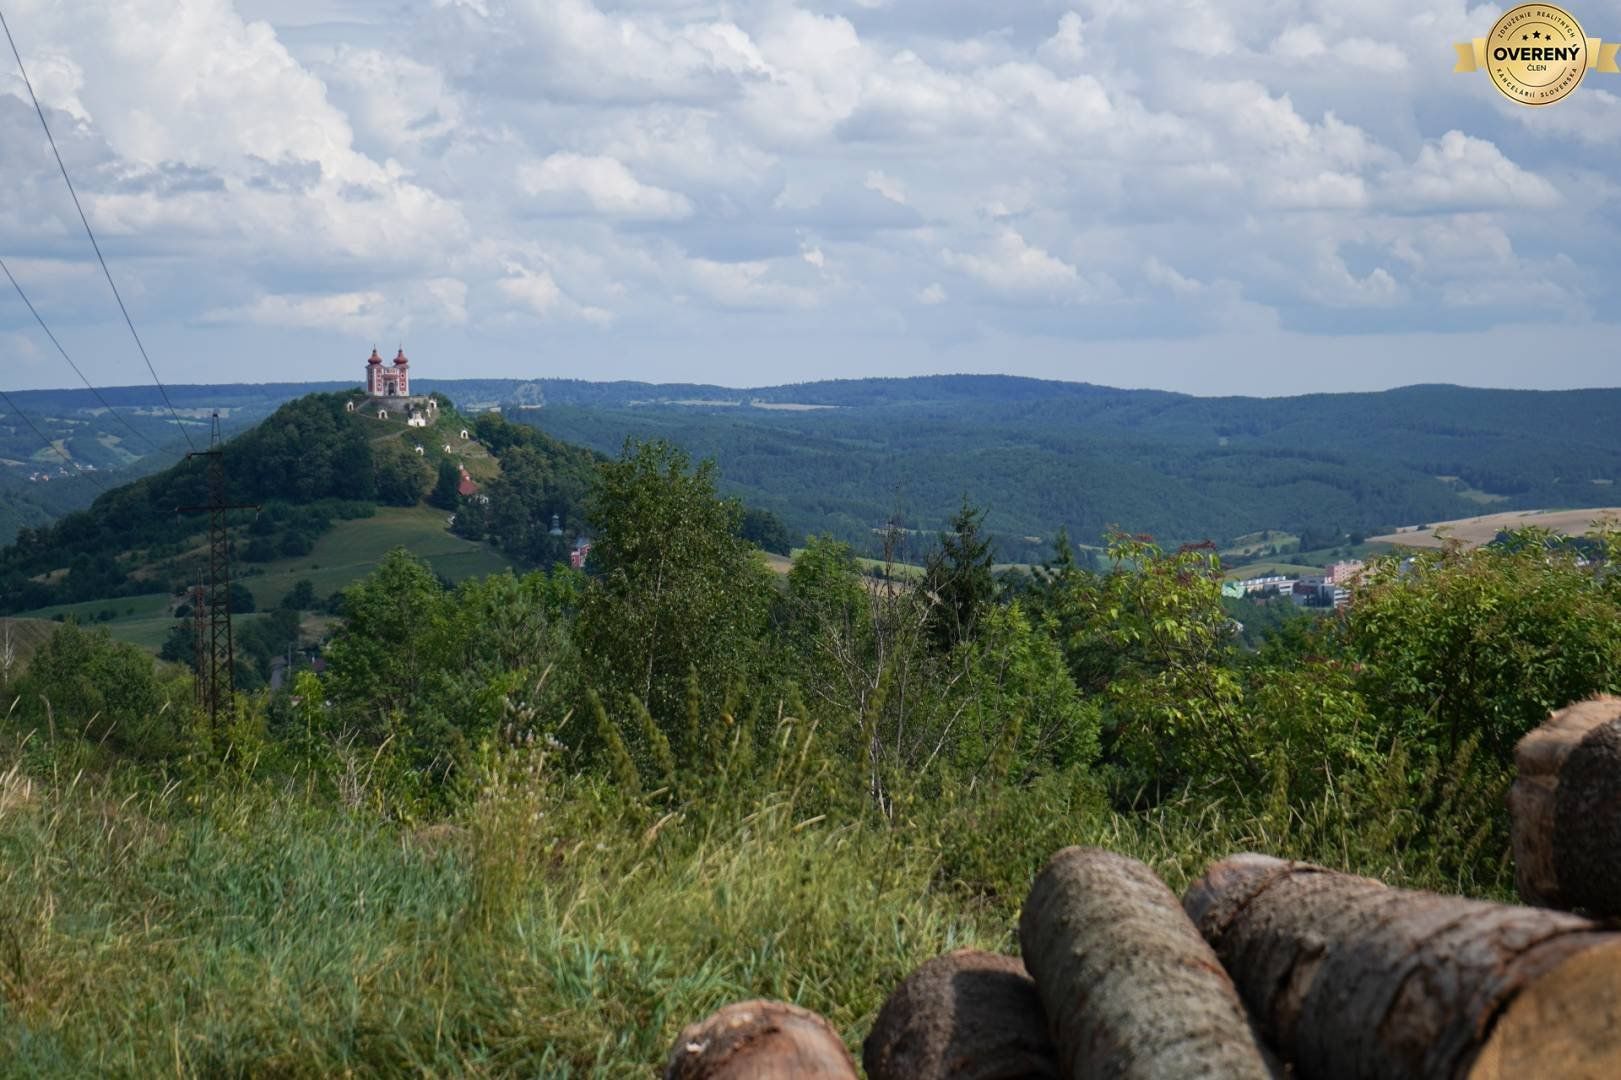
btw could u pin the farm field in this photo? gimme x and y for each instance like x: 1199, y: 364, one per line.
x: 146, y: 628
x: 1256, y: 543
x: 1476, y: 531
x: 140, y: 620
x: 350, y: 550
x: 145, y: 631
x: 902, y: 571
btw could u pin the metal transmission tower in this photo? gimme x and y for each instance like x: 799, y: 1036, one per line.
x: 216, y: 657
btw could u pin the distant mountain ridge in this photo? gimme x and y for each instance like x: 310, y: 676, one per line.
x: 1043, y: 454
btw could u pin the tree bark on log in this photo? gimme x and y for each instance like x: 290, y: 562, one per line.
x: 770, y: 1040
x: 968, y: 1015
x: 1566, y: 810
x: 1129, y: 987
x: 1350, y: 979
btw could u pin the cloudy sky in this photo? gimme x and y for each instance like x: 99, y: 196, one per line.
x: 1254, y: 196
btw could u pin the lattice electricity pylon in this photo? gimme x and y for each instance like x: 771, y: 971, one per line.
x: 216, y: 662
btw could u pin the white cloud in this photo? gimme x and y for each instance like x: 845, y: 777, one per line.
x: 362, y: 312
x: 401, y: 102
x: 573, y: 182
x: 534, y: 289
x: 1011, y: 264
x: 373, y: 313
x: 1461, y: 172
x: 746, y: 285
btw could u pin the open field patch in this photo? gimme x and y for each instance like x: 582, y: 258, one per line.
x: 1475, y: 531
x: 352, y: 549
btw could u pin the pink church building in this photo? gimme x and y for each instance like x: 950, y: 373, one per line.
x: 384, y: 381
x: 388, y: 392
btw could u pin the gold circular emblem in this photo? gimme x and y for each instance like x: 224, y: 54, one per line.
x: 1536, y: 54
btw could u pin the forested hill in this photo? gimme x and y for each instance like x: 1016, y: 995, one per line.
x: 846, y: 456
x: 91, y: 451
x: 1041, y: 455
x: 310, y: 464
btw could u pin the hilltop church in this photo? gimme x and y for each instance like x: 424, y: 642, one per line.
x: 388, y: 392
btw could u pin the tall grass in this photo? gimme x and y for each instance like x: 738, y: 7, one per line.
x: 552, y: 928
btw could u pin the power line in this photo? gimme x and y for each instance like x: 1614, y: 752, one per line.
x: 50, y: 445
x: 40, y: 319
x: 91, y: 233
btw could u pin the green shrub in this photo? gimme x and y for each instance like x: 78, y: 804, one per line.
x: 83, y: 683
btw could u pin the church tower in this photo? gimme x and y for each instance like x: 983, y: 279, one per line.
x: 402, y: 374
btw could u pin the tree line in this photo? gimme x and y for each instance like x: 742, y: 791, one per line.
x: 678, y: 645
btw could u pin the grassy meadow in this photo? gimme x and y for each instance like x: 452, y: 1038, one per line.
x: 352, y: 549
x: 140, y: 620
x: 213, y: 924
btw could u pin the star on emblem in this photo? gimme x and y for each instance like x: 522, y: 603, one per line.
x: 1536, y: 33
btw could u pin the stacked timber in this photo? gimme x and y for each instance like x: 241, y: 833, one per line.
x: 1265, y: 967
x: 1348, y: 978
x: 1566, y: 810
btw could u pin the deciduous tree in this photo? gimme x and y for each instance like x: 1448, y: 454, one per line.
x: 675, y: 589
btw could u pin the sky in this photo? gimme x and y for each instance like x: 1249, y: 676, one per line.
x: 1213, y: 196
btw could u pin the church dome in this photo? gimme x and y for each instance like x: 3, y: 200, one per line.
x: 374, y: 358
x: 400, y: 360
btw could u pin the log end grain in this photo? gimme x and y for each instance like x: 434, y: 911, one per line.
x: 1565, y: 808
x: 760, y: 1040
x: 1567, y: 1023
x: 1543, y: 749
x: 970, y: 1015
x: 1587, y: 823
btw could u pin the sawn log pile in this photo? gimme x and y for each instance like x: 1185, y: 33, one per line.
x: 1265, y: 967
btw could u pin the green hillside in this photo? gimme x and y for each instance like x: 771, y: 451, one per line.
x: 141, y: 620
x: 336, y: 489
x: 139, y: 437
x: 352, y: 549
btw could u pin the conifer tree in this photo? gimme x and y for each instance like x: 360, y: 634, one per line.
x: 958, y: 580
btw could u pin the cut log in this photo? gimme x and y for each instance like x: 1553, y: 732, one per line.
x: 1566, y: 810
x: 1129, y: 987
x: 1348, y: 978
x: 764, y: 1039
x: 969, y: 1015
